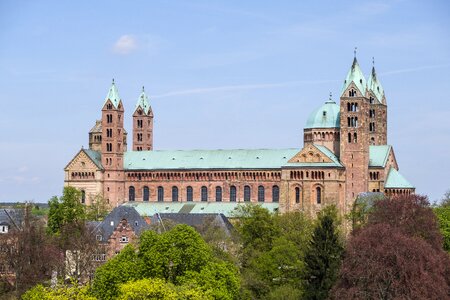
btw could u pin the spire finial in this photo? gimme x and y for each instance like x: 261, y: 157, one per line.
x: 143, y: 90
x: 331, y: 96
x: 373, y: 61
x: 354, y: 51
x: 113, y: 81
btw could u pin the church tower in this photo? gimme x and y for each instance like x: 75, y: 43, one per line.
x: 143, y: 124
x: 377, y: 111
x: 354, y: 143
x: 113, y: 147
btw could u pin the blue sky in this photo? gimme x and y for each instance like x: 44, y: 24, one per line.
x: 220, y: 74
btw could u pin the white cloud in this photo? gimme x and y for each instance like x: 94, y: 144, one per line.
x: 125, y: 44
x: 22, y: 169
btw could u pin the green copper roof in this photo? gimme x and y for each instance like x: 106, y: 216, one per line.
x: 378, y: 155
x: 326, y: 116
x: 95, y: 156
x: 113, y: 95
x: 375, y: 86
x: 143, y: 102
x: 355, y: 75
x: 226, y: 208
x: 207, y: 159
x: 335, y: 161
x: 396, y: 180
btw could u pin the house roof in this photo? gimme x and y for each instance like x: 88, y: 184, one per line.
x: 396, y: 180
x: 195, y: 220
x: 228, y: 209
x: 207, y: 159
x: 134, y: 219
x: 11, y: 217
x: 378, y: 155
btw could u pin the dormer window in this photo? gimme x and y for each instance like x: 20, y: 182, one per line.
x: 324, y: 113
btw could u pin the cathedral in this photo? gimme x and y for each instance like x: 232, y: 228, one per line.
x: 345, y: 154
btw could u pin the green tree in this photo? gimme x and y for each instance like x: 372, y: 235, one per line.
x: 65, y: 210
x: 98, y: 209
x: 122, y: 268
x: 62, y: 292
x: 323, y: 257
x: 442, y: 212
x: 148, y: 289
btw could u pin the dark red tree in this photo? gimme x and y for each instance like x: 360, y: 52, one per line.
x: 411, y: 214
x: 381, y: 262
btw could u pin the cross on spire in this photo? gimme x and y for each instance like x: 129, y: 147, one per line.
x: 113, y: 81
x: 373, y: 61
x: 356, y: 48
x: 331, y: 96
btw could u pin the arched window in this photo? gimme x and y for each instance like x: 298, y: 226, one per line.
x: 83, y: 196
x: 349, y: 137
x: 218, y: 194
x: 189, y: 193
x: 160, y: 194
x: 318, y: 195
x: 131, y: 194
x: 261, y: 195
x: 232, y: 193
x: 145, y: 193
x: 355, y: 138
x: 204, y: 192
x: 174, y: 194
x: 275, y: 193
x: 297, y: 195
x: 247, y: 193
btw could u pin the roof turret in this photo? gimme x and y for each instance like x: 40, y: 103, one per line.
x: 375, y: 87
x: 356, y: 76
x: 143, y: 103
x: 113, y: 95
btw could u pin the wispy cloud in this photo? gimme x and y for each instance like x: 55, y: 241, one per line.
x: 125, y: 44
x: 229, y: 88
x: 416, y: 69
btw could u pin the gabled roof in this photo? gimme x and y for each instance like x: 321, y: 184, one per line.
x: 134, y: 219
x: 356, y: 76
x: 196, y: 220
x: 207, y: 159
x: 374, y: 85
x: 113, y: 96
x: 95, y: 156
x: 378, y: 155
x: 331, y: 159
x: 396, y: 180
x: 143, y: 103
x: 228, y: 209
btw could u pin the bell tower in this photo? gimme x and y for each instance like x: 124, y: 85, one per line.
x: 143, y: 124
x: 354, y: 143
x: 112, y: 148
x: 377, y: 111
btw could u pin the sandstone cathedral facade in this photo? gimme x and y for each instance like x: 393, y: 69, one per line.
x: 345, y: 153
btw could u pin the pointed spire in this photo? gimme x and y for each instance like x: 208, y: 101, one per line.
x: 356, y: 76
x: 374, y: 85
x: 143, y: 102
x: 113, y: 95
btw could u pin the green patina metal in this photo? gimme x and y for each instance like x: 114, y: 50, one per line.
x: 356, y: 76
x: 395, y: 180
x: 207, y: 159
x: 143, y: 103
x: 378, y: 155
x: 374, y: 85
x: 95, y: 156
x: 326, y: 116
x: 113, y: 95
x: 228, y: 209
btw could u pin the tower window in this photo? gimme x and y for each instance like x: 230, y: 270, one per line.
x: 145, y: 193
x: 189, y: 193
x: 261, y: 194
x: 83, y: 196
x: 131, y: 194
x: 297, y: 195
x: 275, y: 193
x: 174, y: 194
x: 160, y: 194
x: 233, y: 193
x: 247, y: 193
x: 204, y: 193
x: 355, y: 138
x: 349, y: 137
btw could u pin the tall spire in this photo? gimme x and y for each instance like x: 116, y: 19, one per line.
x: 143, y: 102
x: 113, y: 95
x: 374, y: 85
x: 356, y: 76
